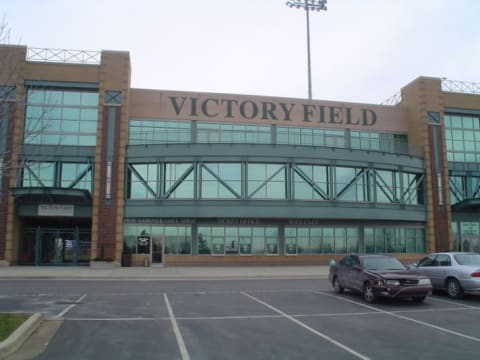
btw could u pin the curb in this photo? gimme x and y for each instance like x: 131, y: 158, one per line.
x: 165, y: 278
x: 20, y: 335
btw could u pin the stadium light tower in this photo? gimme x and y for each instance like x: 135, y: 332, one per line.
x: 307, y: 5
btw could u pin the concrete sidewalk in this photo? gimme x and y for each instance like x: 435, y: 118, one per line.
x: 164, y: 272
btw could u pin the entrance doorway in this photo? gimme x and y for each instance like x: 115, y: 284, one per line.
x: 55, y: 246
x: 157, y: 249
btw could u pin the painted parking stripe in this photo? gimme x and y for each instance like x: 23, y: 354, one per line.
x: 67, y: 309
x: 453, y: 303
x: 318, y: 333
x: 176, y: 330
x: 402, y: 317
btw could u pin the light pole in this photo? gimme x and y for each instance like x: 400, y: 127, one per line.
x: 308, y: 5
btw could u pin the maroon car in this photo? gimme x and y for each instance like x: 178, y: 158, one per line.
x: 378, y: 276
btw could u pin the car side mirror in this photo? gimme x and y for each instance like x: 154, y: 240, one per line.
x: 332, y: 262
x: 357, y: 268
x: 412, y: 266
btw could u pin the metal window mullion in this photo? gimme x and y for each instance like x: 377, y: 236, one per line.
x: 161, y: 180
x: 273, y: 134
x: 244, y: 180
x: 289, y: 190
x: 332, y: 178
x: 57, y: 174
x: 197, y: 180
x: 401, y: 198
x: 193, y: 132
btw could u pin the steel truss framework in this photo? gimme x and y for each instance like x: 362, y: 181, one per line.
x: 50, y: 174
x: 463, y: 187
x: 333, y: 184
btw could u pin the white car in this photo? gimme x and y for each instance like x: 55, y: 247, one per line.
x: 455, y: 272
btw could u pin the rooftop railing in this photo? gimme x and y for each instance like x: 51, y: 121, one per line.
x: 393, y: 100
x: 64, y: 56
x: 463, y: 87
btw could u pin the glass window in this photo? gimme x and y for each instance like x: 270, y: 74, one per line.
x: 461, y: 132
x: 395, y: 239
x: 369, y: 240
x: 350, y: 184
x: 179, y: 181
x: 266, y: 181
x: 221, y: 180
x: 90, y: 99
x: 142, y: 181
x: 310, y: 182
x: 53, y: 97
x: 379, y: 240
x: 38, y: 174
x: 340, y: 241
x: 71, y: 98
x: 352, y: 240
x: 290, y: 246
x: 53, y: 117
x: 245, y: 245
x: 158, y: 132
x: 76, y: 175
x: 328, y: 240
x: 233, y: 133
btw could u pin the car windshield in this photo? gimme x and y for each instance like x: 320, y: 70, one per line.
x: 468, y: 259
x: 382, y: 263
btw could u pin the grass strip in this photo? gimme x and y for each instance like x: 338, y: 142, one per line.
x: 9, y: 323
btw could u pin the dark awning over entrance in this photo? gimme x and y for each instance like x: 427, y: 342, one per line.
x: 50, y: 195
x: 467, y: 205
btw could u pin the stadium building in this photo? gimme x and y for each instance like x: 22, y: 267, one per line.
x: 94, y: 170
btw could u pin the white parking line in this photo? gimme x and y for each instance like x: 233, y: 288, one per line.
x: 452, y: 303
x: 328, y: 338
x: 176, y: 330
x: 402, y: 317
x: 119, y: 319
x: 67, y: 309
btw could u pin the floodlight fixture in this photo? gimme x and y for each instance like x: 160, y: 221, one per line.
x: 308, y: 5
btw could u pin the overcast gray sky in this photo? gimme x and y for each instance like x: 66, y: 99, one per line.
x: 361, y: 50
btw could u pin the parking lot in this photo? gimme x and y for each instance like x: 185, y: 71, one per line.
x: 241, y: 319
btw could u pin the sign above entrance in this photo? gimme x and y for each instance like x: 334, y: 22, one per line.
x: 55, y: 210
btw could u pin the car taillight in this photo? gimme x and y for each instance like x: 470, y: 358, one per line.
x: 475, y: 274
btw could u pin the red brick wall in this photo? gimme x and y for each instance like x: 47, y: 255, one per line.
x: 440, y: 212
x: 107, y: 209
x: 5, y: 182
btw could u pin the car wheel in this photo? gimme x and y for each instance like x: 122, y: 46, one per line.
x: 336, y: 286
x: 368, y: 293
x: 419, y: 299
x: 454, y: 289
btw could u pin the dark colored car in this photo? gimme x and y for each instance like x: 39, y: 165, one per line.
x: 378, y: 276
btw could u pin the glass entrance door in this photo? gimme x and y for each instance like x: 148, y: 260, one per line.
x: 157, y: 248
x: 51, y: 249
x: 55, y: 246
